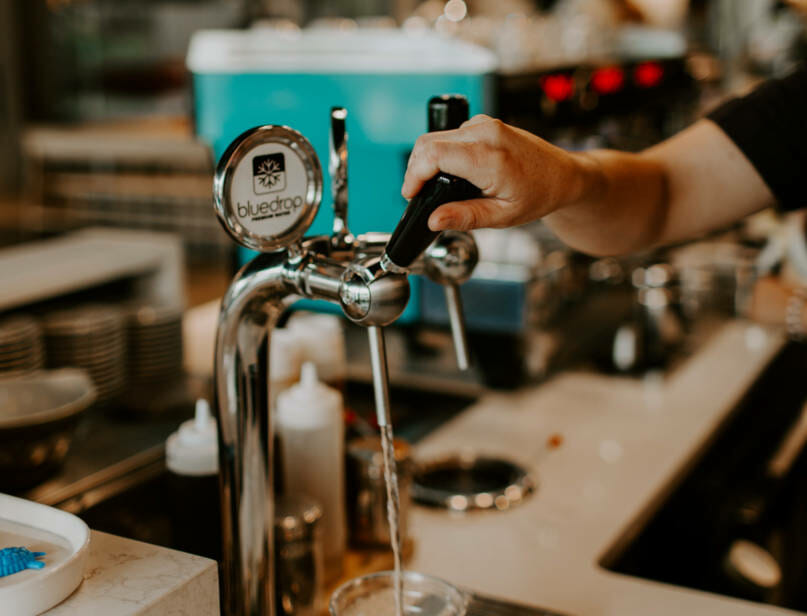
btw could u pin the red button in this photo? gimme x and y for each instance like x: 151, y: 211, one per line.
x: 558, y: 88
x: 648, y: 74
x: 608, y: 80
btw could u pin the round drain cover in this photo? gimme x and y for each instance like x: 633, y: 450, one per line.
x: 462, y: 483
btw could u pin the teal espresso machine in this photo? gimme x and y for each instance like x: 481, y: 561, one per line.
x: 246, y: 78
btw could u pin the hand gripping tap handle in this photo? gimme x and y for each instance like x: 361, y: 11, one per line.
x: 412, y: 235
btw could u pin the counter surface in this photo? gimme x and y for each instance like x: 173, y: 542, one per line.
x: 128, y: 578
x: 625, y: 442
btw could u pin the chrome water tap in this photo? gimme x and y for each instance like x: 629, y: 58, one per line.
x: 267, y: 189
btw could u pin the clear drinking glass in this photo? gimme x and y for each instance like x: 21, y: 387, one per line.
x: 373, y: 595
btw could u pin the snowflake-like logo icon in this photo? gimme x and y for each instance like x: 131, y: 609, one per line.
x: 268, y: 173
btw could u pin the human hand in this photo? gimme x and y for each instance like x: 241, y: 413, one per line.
x: 521, y: 176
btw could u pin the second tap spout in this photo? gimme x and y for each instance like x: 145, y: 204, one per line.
x: 337, y: 167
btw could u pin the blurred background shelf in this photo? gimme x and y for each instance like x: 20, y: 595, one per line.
x: 150, y: 263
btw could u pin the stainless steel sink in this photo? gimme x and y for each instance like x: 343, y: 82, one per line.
x: 735, y: 524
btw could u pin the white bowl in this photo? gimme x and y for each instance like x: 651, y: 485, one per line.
x: 64, y: 538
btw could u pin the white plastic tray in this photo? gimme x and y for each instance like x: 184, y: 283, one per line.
x: 64, y: 538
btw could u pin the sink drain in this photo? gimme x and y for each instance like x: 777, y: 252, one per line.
x: 462, y: 483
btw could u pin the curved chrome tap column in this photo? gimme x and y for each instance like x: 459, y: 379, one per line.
x: 248, y: 314
x: 249, y: 311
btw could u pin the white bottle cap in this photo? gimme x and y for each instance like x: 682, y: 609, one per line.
x: 286, y: 355
x: 310, y: 403
x: 193, y: 449
x: 322, y: 337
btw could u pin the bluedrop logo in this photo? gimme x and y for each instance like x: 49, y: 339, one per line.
x: 268, y: 173
x: 269, y: 176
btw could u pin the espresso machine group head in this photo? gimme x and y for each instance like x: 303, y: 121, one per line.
x: 267, y: 190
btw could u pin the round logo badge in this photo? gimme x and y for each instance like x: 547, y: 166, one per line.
x: 268, y: 187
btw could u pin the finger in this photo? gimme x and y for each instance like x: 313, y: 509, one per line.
x: 477, y: 119
x: 465, y: 215
x: 484, y: 136
x: 475, y: 162
x: 427, y: 159
x: 480, y: 128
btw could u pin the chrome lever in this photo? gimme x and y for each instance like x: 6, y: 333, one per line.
x: 450, y: 261
x: 337, y: 168
x: 456, y: 318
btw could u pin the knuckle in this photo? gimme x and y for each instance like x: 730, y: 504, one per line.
x: 423, y: 156
x: 497, y: 128
x: 422, y: 140
x: 476, y: 120
x: 421, y: 146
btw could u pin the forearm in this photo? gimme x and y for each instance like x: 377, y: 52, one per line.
x: 619, y: 205
x: 692, y: 183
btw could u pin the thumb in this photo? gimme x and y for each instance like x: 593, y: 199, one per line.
x: 464, y: 215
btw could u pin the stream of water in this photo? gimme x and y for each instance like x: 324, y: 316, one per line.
x: 393, y: 512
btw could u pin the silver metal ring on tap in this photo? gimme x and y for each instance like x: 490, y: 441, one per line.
x: 268, y: 187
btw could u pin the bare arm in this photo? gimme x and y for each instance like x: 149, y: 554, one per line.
x: 601, y: 202
x: 692, y: 183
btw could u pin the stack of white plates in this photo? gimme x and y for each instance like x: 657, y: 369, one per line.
x: 21, y: 348
x: 92, y: 337
x: 155, y: 345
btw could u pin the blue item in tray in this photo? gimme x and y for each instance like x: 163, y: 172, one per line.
x: 14, y: 560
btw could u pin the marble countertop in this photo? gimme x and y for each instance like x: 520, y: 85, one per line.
x: 624, y: 443
x: 128, y: 578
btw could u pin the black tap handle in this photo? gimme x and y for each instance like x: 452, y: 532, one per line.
x: 412, y: 235
x: 447, y: 112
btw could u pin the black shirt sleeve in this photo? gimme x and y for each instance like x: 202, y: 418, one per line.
x: 770, y: 128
